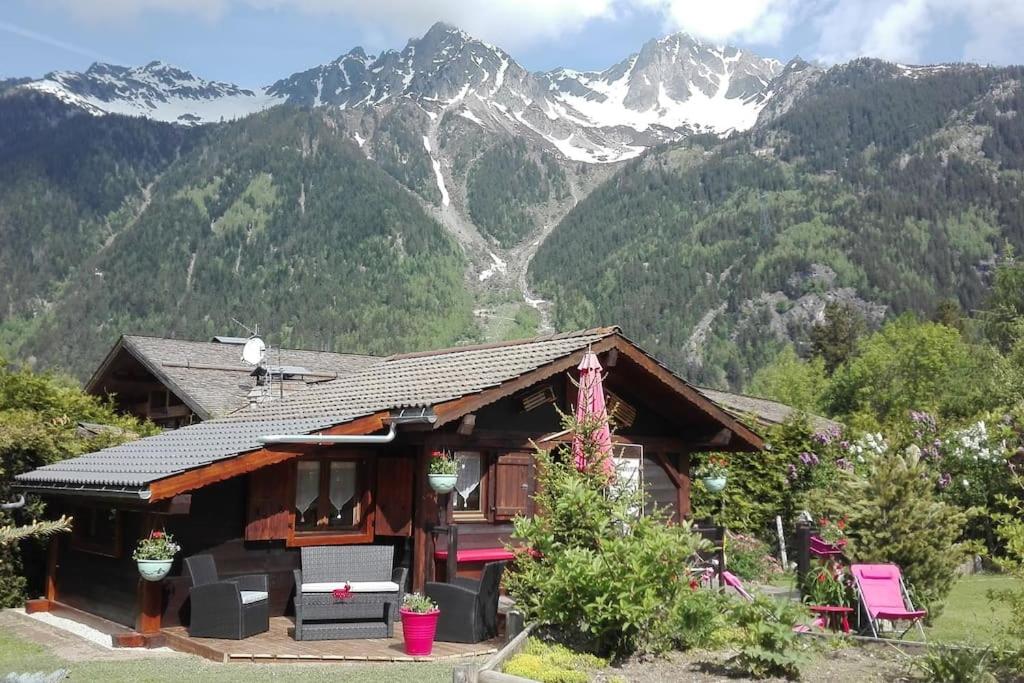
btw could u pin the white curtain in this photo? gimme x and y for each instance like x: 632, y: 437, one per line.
x: 307, y: 488
x: 344, y: 474
x: 468, y: 478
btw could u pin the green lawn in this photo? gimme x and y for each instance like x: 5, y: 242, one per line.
x: 18, y: 655
x: 969, y: 616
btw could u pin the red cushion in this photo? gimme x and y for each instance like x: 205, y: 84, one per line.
x: 478, y: 555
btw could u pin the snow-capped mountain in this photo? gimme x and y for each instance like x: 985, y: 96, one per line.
x: 673, y: 86
x: 157, y: 90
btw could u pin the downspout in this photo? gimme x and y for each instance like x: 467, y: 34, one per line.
x: 328, y: 439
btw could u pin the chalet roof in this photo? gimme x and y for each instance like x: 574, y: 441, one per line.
x: 211, y: 378
x: 410, y: 380
x: 765, y: 411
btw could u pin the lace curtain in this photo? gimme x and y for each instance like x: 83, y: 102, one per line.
x: 307, y: 487
x: 468, y: 479
x: 344, y: 475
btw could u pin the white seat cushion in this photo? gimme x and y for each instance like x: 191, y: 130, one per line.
x: 252, y: 596
x: 356, y: 586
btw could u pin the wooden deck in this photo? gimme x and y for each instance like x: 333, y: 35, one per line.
x: 277, y: 645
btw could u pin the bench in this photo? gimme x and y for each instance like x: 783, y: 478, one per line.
x: 372, y: 592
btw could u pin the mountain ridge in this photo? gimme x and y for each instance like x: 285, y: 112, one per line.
x: 671, y: 87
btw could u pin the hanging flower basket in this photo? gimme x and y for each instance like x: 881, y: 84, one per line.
x: 419, y: 624
x: 442, y: 483
x: 154, y: 570
x: 155, y: 555
x: 714, y: 484
x: 443, y: 472
x: 713, y: 472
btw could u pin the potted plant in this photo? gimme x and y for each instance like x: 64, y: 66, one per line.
x: 828, y: 592
x: 154, y: 555
x: 714, y: 472
x: 831, y: 534
x: 827, y: 584
x: 419, y: 623
x: 443, y: 471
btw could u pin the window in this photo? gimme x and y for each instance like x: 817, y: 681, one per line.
x: 328, y: 495
x: 332, y: 497
x: 97, y: 530
x: 469, y: 499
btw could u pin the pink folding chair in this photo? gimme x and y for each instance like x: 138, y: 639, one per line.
x: 884, y: 596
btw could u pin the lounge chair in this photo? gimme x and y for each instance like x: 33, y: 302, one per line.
x: 884, y: 596
x: 233, y: 608
x: 469, y: 608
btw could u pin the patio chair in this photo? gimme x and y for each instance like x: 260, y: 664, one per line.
x: 232, y: 608
x: 884, y: 596
x: 469, y: 608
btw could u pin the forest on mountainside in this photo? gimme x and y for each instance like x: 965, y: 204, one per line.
x: 276, y: 220
x: 894, y: 194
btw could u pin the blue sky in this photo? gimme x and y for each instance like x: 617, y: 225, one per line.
x: 254, y: 42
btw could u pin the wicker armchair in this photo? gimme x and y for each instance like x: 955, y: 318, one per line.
x: 469, y: 608
x: 368, y: 611
x: 233, y: 608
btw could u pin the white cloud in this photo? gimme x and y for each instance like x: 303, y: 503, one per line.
x: 762, y: 21
x: 829, y: 30
x: 902, y: 30
x: 504, y: 22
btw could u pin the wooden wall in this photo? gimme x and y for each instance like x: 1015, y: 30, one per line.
x: 101, y: 585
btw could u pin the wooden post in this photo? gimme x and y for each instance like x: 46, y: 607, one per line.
x: 150, y: 593
x: 685, y: 510
x: 150, y: 607
x: 803, y: 553
x: 425, y: 513
x: 451, y: 568
x: 52, y: 553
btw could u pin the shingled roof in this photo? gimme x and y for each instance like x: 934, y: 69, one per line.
x: 764, y: 411
x: 210, y: 377
x: 411, y: 380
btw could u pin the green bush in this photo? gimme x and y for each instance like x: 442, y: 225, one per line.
x: 701, y: 620
x: 769, y: 646
x: 946, y: 664
x: 39, y: 414
x: 750, y: 558
x: 895, y: 516
x: 595, y: 567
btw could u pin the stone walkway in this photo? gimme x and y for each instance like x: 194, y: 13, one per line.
x: 68, y: 645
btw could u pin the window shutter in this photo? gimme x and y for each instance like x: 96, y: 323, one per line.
x: 270, y: 503
x: 513, y: 485
x: 395, y: 478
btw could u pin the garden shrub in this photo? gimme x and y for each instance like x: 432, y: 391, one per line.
x: 750, y: 558
x: 39, y: 414
x: 946, y: 664
x: 1011, y: 532
x: 769, y: 646
x: 593, y: 566
x: 553, y: 663
x: 895, y: 516
x: 700, y: 620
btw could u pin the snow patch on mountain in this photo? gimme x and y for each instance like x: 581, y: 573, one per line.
x: 671, y: 88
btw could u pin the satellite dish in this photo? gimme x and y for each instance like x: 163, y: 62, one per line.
x: 252, y: 352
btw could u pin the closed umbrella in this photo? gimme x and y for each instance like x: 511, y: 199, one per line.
x: 590, y: 405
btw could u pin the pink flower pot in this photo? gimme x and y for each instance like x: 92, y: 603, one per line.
x: 418, y: 630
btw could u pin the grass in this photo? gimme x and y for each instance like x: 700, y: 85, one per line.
x: 19, y: 655
x: 969, y: 616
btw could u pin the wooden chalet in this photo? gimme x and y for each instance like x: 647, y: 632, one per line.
x: 251, y: 485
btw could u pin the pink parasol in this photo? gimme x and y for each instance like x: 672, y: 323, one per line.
x: 590, y: 404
